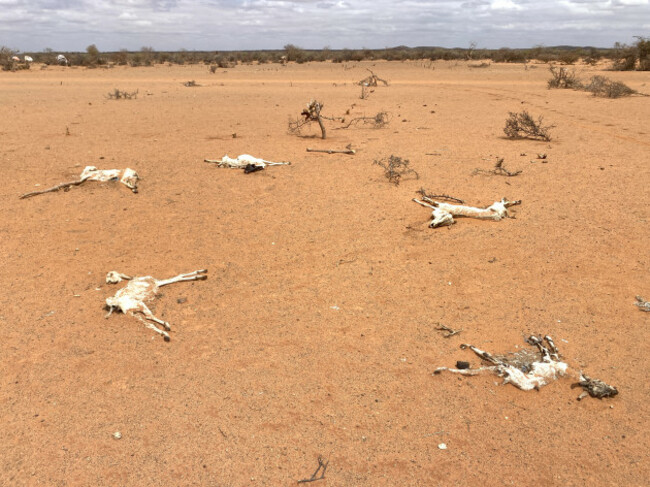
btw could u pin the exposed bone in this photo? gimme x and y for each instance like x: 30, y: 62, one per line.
x: 128, y: 177
x: 642, y: 304
x: 444, y: 213
x: 538, y: 373
x: 243, y: 161
x: 132, y: 297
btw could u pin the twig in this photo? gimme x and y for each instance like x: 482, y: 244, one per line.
x: 54, y: 188
x: 450, y: 333
x: 498, y: 170
x: 313, y: 478
x: 642, y: 304
x: 422, y: 192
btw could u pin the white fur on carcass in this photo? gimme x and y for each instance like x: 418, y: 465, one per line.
x: 132, y: 297
x: 541, y: 372
x: 127, y: 177
x: 444, y: 213
x: 243, y: 160
x: 29, y: 59
x: 62, y: 60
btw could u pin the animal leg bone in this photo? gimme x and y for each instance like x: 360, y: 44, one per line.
x: 191, y: 276
x: 484, y: 355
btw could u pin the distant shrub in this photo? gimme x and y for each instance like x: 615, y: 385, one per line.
x: 605, y: 87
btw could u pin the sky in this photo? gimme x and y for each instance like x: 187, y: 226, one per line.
x: 214, y: 25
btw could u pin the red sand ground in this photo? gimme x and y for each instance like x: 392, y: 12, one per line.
x: 315, y: 333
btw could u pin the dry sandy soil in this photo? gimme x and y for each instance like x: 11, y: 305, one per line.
x: 315, y: 333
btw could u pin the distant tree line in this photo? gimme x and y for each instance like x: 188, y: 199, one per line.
x: 622, y: 56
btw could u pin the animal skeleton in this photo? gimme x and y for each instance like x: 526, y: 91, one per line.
x: 642, y: 304
x: 245, y: 161
x: 526, y: 370
x: 444, y: 213
x: 131, y: 299
x: 529, y: 375
x: 128, y: 177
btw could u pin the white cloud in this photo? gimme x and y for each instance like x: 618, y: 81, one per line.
x: 270, y: 24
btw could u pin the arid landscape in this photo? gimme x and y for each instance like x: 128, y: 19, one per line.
x: 316, y: 332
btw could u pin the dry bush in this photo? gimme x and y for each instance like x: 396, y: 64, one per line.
x: 564, y: 78
x: 498, y: 170
x: 119, y: 94
x: 394, y: 168
x: 523, y: 126
x: 605, y: 87
x: 378, y: 121
x: 310, y: 114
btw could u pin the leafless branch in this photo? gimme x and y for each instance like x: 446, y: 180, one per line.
x: 422, y: 192
x: 322, y: 464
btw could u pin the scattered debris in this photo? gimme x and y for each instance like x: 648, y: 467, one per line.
x: 131, y: 299
x: 642, y: 304
x: 594, y: 388
x: 450, y: 333
x: 523, y: 126
x: 246, y: 162
x: 348, y: 150
x: 117, y: 435
x: 442, y: 446
x: 128, y: 177
x: 191, y: 84
x: 394, y: 168
x: 322, y: 466
x: 444, y: 213
x: 118, y: 94
x: 498, y: 170
x: 541, y: 156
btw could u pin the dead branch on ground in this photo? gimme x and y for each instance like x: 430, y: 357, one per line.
x: 322, y: 464
x: 372, y: 80
x: 378, y: 121
x: 430, y: 198
x: 498, y: 170
x: 118, y: 94
x: 394, y: 168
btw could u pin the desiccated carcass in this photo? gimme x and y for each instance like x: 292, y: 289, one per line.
x: 246, y: 162
x: 528, y: 369
x: 525, y: 370
x: 133, y: 297
x: 642, y: 304
x: 128, y: 177
x: 444, y: 213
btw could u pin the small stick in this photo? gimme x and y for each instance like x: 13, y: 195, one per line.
x: 333, y: 151
x: 313, y: 478
x: 54, y: 188
x: 450, y: 333
x: 422, y: 192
